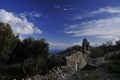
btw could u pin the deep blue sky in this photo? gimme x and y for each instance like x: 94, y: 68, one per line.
x: 66, y: 22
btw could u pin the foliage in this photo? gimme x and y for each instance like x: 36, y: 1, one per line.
x: 113, y: 66
x: 6, y: 39
x: 96, y: 52
x: 104, y: 49
x: 36, y: 47
x: 71, y: 49
x: 117, y: 45
x: 97, y: 77
x: 35, y: 52
x: 115, y: 77
x: 54, y: 61
x: 89, y: 75
x: 29, y: 54
x: 115, y: 56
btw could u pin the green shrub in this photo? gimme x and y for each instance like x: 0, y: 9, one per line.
x: 96, y: 77
x: 113, y: 66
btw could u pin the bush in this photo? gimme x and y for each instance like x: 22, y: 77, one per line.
x: 89, y: 75
x: 113, y: 66
x: 97, y: 77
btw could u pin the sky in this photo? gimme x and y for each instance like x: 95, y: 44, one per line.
x: 63, y: 23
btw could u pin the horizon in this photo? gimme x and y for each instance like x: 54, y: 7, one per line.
x: 63, y: 23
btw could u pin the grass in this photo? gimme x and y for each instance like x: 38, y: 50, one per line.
x: 89, y: 75
x: 96, y: 77
x: 111, y: 67
x: 115, y: 77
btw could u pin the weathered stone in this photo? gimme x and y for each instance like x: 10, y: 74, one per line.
x: 74, y: 62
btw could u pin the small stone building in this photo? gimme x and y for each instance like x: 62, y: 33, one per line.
x: 73, y: 60
x: 85, y: 47
x: 78, y: 60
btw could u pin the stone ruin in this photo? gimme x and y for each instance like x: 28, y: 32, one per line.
x: 56, y: 73
x: 75, y: 61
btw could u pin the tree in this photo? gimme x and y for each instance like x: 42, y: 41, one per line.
x: 52, y: 62
x: 37, y: 50
x: 6, y: 39
x: 96, y: 52
x: 118, y: 45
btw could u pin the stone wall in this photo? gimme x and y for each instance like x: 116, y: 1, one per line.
x: 57, y: 73
x: 76, y: 61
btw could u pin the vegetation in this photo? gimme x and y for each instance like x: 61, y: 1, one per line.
x: 96, y: 52
x: 103, y: 49
x: 91, y: 78
x: 89, y: 75
x: 6, y: 40
x: 71, y: 49
x: 115, y: 57
x: 53, y: 61
x: 21, y: 58
x: 113, y: 65
x: 28, y: 57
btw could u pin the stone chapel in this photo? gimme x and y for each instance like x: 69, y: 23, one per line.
x: 79, y: 59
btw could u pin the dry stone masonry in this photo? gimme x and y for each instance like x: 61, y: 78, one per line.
x: 75, y: 61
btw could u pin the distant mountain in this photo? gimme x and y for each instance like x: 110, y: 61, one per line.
x: 55, y: 51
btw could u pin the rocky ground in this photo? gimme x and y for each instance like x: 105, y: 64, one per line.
x: 96, y: 74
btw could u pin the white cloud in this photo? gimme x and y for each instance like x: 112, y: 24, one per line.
x: 108, y: 28
x: 58, y: 45
x: 19, y: 25
x: 68, y: 9
x: 78, y: 17
x: 107, y: 10
x: 78, y: 43
x: 55, y: 45
x: 65, y: 9
x: 57, y: 6
x: 34, y: 14
x: 91, y: 43
x: 30, y: 14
